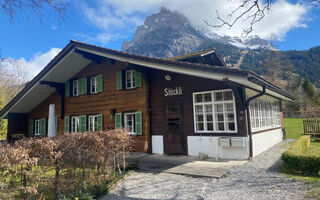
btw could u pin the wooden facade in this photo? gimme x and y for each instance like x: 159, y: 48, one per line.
x: 106, y: 102
x: 176, y: 142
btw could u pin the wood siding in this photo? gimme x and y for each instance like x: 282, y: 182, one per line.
x: 102, y: 103
x: 189, y: 85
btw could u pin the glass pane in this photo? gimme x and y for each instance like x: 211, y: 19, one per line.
x: 209, y: 118
x: 230, y: 117
x: 210, y: 126
x: 198, y: 98
x: 220, y: 117
x: 229, y: 107
x: 232, y: 126
x: 207, y: 97
x: 199, y: 109
x: 199, y: 118
x: 219, y: 108
x: 218, y: 96
x: 228, y: 95
x: 208, y: 108
x: 221, y: 126
x: 200, y: 127
x: 173, y: 117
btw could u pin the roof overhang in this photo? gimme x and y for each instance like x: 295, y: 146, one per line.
x: 70, y: 61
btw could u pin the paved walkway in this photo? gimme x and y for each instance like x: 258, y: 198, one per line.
x: 185, y: 165
x: 254, y: 180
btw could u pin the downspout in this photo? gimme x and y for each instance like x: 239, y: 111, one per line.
x: 249, y: 122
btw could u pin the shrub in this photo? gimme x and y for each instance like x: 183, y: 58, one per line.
x: 66, y: 166
x: 297, y: 158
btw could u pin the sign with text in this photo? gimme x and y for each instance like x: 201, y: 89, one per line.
x: 172, y: 91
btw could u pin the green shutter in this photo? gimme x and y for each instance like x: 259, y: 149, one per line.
x: 99, y: 124
x: 99, y: 82
x: 138, y: 124
x: 83, y: 123
x: 118, y: 120
x: 67, y: 124
x: 67, y: 89
x: 138, y: 78
x: 31, y: 129
x: 56, y: 123
x: 82, y: 86
x: 119, y: 80
x: 43, y: 127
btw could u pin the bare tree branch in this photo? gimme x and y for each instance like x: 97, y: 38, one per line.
x: 252, y: 10
x: 14, y: 7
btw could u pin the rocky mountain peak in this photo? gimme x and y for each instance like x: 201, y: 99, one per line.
x: 164, y: 34
x: 169, y: 33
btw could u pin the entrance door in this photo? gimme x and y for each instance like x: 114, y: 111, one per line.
x: 174, y: 142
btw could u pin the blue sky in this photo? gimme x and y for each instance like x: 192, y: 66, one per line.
x: 110, y: 22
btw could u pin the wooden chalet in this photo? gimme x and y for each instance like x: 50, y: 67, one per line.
x: 183, y: 105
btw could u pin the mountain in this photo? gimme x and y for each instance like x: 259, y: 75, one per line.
x: 164, y: 34
x: 169, y: 33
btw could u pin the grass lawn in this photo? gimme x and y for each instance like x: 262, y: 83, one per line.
x: 294, y: 129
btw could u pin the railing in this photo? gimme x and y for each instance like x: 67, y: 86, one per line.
x: 311, y: 126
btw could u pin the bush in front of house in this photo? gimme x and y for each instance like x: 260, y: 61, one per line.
x: 64, y: 167
x: 298, y: 159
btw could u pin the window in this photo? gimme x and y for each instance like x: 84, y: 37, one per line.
x: 173, y: 117
x: 75, y: 89
x: 37, y: 127
x: 93, y: 123
x: 129, y: 122
x: 93, y: 85
x: 130, y: 79
x: 264, y: 114
x: 214, y: 111
x: 75, y: 124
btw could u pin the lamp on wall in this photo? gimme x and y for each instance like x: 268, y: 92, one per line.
x: 167, y: 77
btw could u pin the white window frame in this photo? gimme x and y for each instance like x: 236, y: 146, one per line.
x: 93, y: 79
x: 133, y: 122
x: 75, y: 88
x: 214, y: 103
x: 131, y: 75
x: 37, y: 127
x: 77, y: 126
x: 264, y: 114
x: 94, y: 123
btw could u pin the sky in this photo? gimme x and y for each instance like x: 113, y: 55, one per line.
x: 32, y: 40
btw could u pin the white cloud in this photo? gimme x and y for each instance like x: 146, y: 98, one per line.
x: 123, y: 16
x: 29, y: 68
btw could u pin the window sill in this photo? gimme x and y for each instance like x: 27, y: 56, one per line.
x: 266, y: 129
x: 216, y: 132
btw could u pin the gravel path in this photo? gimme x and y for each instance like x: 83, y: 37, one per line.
x: 256, y: 180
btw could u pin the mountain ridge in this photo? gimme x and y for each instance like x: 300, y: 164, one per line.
x: 168, y: 33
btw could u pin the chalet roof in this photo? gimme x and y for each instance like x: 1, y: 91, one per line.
x: 71, y: 60
x: 192, y: 54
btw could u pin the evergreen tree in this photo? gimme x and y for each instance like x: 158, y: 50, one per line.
x: 310, y: 91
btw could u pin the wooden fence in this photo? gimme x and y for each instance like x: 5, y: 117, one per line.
x: 311, y: 126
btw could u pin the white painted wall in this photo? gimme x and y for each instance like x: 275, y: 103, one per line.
x: 265, y: 140
x: 210, y: 145
x: 157, y: 144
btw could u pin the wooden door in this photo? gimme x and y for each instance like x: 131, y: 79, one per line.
x: 174, y: 141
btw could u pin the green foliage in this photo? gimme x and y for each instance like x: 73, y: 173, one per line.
x: 310, y: 91
x: 299, y: 158
x: 294, y: 127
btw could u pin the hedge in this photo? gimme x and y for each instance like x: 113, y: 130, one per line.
x: 297, y: 158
